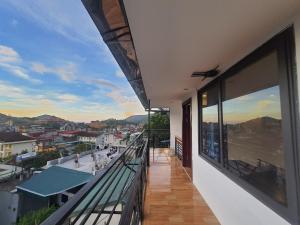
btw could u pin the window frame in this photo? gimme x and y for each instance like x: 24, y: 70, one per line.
x: 200, y: 149
x: 284, y: 44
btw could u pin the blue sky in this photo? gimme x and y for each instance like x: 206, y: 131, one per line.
x: 53, y: 61
x: 258, y: 104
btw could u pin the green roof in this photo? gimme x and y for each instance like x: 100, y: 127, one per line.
x: 122, y: 180
x: 54, y: 180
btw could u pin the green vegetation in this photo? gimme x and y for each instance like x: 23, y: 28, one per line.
x: 159, y: 129
x: 36, y: 217
x: 7, y: 160
x: 40, y: 160
x: 160, y: 121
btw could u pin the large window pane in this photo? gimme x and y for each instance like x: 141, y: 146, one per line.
x: 252, y: 127
x: 210, y: 123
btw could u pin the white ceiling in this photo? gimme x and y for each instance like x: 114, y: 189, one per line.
x: 174, y: 38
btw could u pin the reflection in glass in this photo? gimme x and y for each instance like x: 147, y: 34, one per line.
x: 252, y: 129
x: 210, y: 124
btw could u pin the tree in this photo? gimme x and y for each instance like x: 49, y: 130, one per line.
x: 40, y: 160
x: 159, y: 129
x: 160, y: 120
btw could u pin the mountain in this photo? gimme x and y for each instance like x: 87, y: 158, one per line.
x: 260, y: 126
x: 261, y: 122
x: 137, y: 119
x: 4, y: 118
x: 43, y: 119
x: 47, y: 119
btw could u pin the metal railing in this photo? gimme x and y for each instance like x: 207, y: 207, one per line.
x: 159, y: 138
x: 178, y: 147
x: 114, y: 196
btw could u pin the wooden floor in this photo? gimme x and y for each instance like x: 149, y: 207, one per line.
x: 171, y: 198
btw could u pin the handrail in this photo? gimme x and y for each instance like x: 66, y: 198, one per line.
x: 108, y: 176
x: 178, y: 147
x: 133, y: 211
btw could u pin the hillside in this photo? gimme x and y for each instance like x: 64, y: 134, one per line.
x: 137, y: 119
x: 49, y: 119
x: 43, y: 119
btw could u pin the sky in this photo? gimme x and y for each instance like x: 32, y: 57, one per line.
x: 258, y: 104
x: 53, y: 61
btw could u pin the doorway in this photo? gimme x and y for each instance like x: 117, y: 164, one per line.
x: 187, y: 136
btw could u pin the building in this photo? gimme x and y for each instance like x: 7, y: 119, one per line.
x: 45, y: 145
x: 36, y: 129
x: 53, y: 186
x: 106, y: 139
x: 12, y: 143
x: 229, y: 73
x: 68, y: 127
x: 87, y: 137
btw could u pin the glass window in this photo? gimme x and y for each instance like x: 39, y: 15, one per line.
x: 210, y: 123
x: 252, y: 127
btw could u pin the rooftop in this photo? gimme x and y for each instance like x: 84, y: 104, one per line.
x: 54, y: 180
x: 13, y: 137
x: 87, y: 134
x: 86, y: 163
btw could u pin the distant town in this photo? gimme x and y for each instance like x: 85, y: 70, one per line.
x: 38, y: 155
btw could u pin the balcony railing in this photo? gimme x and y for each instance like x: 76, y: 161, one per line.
x: 159, y: 138
x: 114, y: 196
x: 178, y: 147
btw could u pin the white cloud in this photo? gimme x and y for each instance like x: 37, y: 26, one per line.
x: 40, y: 68
x: 11, y: 61
x: 10, y: 91
x: 128, y: 104
x: 22, y: 101
x: 66, y: 73
x: 68, y: 98
x: 105, y: 83
x: 8, y: 55
x: 58, y: 16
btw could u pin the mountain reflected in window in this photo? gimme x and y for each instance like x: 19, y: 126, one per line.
x: 253, y: 140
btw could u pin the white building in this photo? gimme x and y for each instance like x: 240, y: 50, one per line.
x: 12, y: 143
x: 88, y: 137
x: 105, y: 139
x: 229, y: 71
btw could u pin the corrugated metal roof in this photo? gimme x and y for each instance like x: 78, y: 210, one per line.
x: 54, y: 180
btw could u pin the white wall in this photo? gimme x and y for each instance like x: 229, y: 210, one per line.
x: 175, y: 122
x: 19, y: 147
x: 231, y: 204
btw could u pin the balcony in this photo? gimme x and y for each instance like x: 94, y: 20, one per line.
x: 143, y: 185
x: 171, y: 198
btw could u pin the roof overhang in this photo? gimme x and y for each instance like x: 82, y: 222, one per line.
x: 110, y: 18
x: 173, y: 39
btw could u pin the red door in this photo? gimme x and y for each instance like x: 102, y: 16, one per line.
x: 187, y: 134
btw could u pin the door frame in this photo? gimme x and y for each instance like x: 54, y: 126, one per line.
x: 187, y: 137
